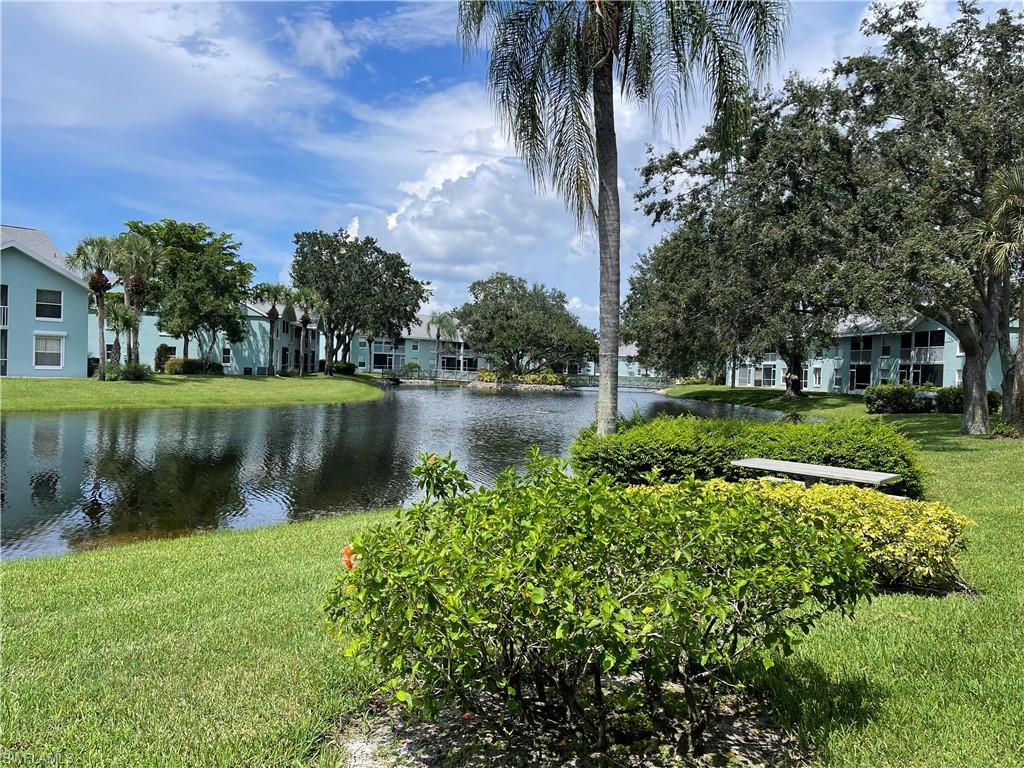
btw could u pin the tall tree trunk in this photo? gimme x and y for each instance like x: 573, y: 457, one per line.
x: 732, y: 382
x: 140, y: 305
x: 184, y: 347
x: 115, y: 352
x: 328, y: 336
x: 302, y: 352
x: 129, y: 303
x: 1007, y: 358
x: 1018, y: 388
x: 101, y: 318
x: 608, y: 246
x: 975, y: 421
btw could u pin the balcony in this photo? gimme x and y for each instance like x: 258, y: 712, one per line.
x: 922, y: 355
x: 860, y: 356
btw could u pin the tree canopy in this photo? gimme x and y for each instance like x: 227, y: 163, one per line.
x: 523, y: 328
x: 362, y: 287
x: 201, y: 281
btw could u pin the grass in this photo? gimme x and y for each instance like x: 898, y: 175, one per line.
x: 211, y: 650
x: 813, y: 404
x: 182, y: 392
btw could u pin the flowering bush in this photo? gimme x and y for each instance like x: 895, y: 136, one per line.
x: 535, y: 593
x: 549, y: 378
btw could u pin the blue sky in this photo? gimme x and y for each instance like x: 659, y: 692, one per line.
x: 262, y: 119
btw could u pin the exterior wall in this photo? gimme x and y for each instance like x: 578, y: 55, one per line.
x: 249, y: 356
x: 423, y: 350
x: 23, y: 275
x: 898, y: 364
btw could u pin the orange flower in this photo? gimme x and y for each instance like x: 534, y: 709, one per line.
x: 347, y: 558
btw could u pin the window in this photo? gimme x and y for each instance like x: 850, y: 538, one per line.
x: 921, y: 338
x: 415, y: 346
x: 362, y: 343
x: 110, y: 353
x: 937, y: 338
x: 225, y: 356
x: 49, y: 352
x: 362, y: 363
x: 837, y: 379
x: 172, y: 351
x: 817, y: 377
x: 247, y: 371
x: 744, y: 377
x: 886, y: 350
x: 803, y: 378
x: 771, y: 357
x: 959, y: 350
x: 284, y: 357
x: 49, y: 304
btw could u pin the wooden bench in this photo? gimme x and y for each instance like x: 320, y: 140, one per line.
x: 809, y: 474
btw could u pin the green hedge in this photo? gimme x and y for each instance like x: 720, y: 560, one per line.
x: 129, y: 372
x: 345, y: 369
x: 687, y: 446
x: 908, y: 544
x: 523, y: 599
x: 951, y: 400
x: 895, y: 398
x: 180, y: 366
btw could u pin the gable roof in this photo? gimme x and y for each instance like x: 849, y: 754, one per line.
x: 38, y: 245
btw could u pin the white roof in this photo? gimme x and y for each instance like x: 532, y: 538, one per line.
x: 38, y: 245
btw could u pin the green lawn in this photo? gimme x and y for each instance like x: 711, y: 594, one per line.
x: 182, y: 392
x: 206, y: 651
x: 812, y: 404
x: 211, y: 650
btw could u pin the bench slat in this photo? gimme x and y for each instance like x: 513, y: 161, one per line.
x: 818, y: 471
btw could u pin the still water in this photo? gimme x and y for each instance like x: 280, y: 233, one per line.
x: 78, y: 479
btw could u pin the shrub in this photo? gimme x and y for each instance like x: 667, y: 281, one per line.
x: 683, y: 446
x: 951, y: 400
x: 289, y: 373
x: 180, y: 366
x: 345, y: 369
x: 549, y: 378
x: 1000, y: 428
x: 908, y: 544
x: 412, y: 365
x: 163, y: 352
x: 534, y: 593
x: 895, y: 398
x: 692, y: 380
x: 129, y: 372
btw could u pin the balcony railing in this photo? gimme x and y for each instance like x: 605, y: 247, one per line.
x: 3, y: 315
x: 860, y: 356
x: 923, y: 355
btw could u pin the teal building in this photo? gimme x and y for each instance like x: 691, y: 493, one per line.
x: 44, y: 307
x: 867, y: 353
x: 248, y: 357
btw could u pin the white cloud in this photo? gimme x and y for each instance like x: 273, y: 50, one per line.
x: 117, y: 65
x: 317, y: 42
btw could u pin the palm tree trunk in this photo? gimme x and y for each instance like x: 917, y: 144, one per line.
x: 101, y: 318
x: 1018, y: 387
x: 608, y: 231
x: 115, y: 352
x: 302, y: 352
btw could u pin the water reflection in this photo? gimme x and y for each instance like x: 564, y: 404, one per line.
x: 77, y: 479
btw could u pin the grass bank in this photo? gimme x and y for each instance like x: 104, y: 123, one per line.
x: 211, y: 650
x: 182, y: 392
x: 826, y: 405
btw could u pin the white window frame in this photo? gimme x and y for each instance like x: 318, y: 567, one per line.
x: 35, y: 307
x: 414, y: 346
x: 959, y: 351
x: 816, y: 377
x: 362, y: 344
x: 228, y: 360
x: 49, y: 335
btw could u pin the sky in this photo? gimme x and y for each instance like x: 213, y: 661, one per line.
x: 263, y: 119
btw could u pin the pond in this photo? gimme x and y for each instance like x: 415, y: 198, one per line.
x: 73, y: 480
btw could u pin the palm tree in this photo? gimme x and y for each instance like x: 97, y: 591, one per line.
x: 999, y: 237
x: 308, y: 300
x: 95, y: 255
x: 446, y: 328
x: 137, y: 261
x: 122, y: 319
x: 273, y: 294
x: 552, y: 73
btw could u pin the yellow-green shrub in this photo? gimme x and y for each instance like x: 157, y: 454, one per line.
x: 908, y: 544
